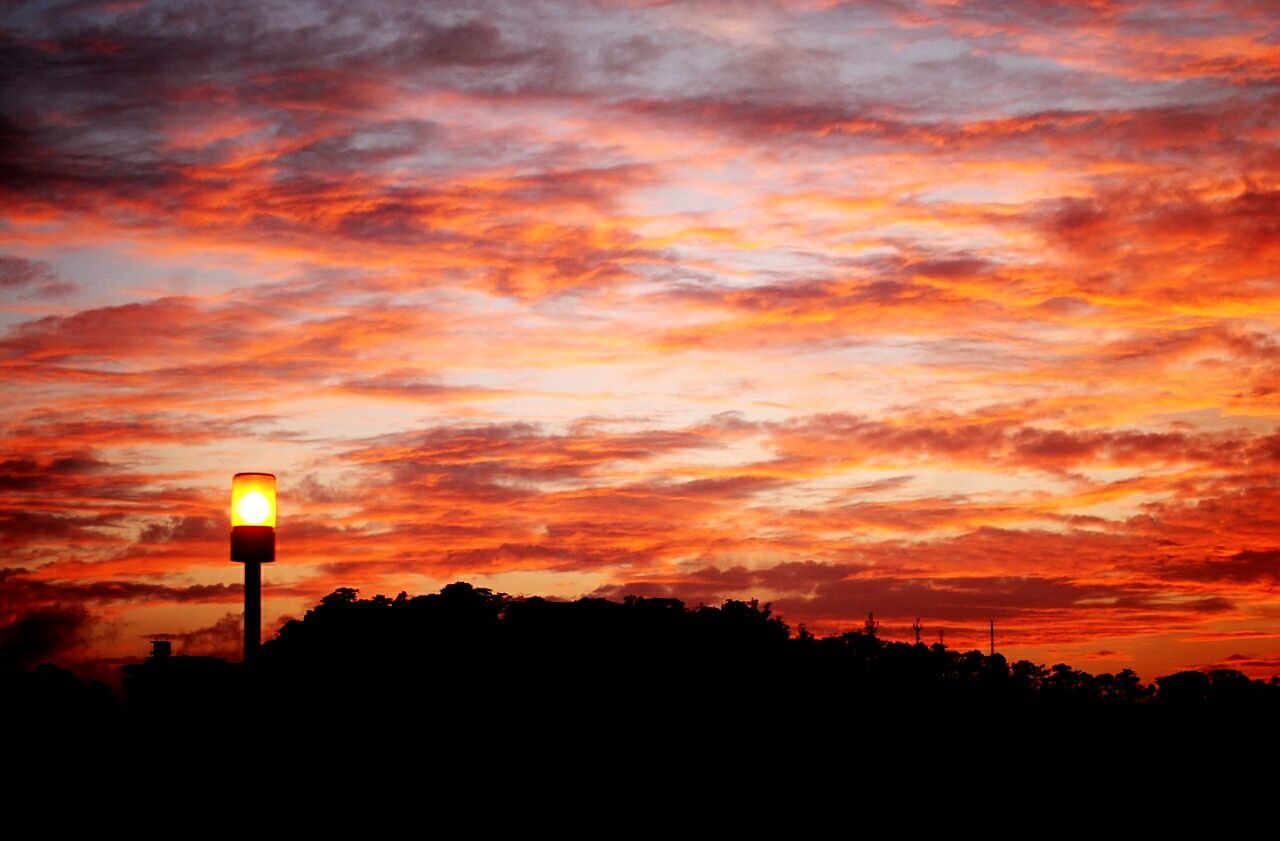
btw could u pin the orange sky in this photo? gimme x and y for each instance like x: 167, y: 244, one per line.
x: 958, y: 311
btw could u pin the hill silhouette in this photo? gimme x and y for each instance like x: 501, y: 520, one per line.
x: 481, y: 670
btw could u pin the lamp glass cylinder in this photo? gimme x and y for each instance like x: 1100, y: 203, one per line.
x: 253, y: 500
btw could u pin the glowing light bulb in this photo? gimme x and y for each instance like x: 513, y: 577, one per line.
x: 254, y: 508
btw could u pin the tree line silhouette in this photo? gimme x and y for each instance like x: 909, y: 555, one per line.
x: 478, y: 665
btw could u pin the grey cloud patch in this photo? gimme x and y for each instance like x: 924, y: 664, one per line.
x: 20, y: 277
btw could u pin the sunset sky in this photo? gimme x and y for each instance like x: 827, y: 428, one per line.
x: 965, y: 311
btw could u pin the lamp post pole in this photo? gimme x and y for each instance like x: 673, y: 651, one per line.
x: 253, y: 543
x: 252, y: 609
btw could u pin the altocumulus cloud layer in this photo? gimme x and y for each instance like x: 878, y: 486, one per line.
x: 959, y: 311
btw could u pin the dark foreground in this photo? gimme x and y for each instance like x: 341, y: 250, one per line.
x: 484, y: 676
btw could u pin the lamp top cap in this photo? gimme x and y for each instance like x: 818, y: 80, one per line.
x: 255, y: 473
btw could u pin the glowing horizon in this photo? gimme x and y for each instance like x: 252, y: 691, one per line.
x: 958, y: 311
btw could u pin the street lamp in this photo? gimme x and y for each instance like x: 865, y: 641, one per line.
x: 253, y: 543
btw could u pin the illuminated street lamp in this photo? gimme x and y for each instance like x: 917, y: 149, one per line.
x: 253, y: 543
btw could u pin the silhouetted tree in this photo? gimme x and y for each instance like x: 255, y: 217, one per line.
x: 492, y: 670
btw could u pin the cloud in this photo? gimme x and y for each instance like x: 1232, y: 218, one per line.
x: 1260, y: 666
x: 31, y: 278
x: 39, y: 635
x: 1029, y: 610
x: 1251, y: 566
x: 223, y: 638
x: 21, y: 587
